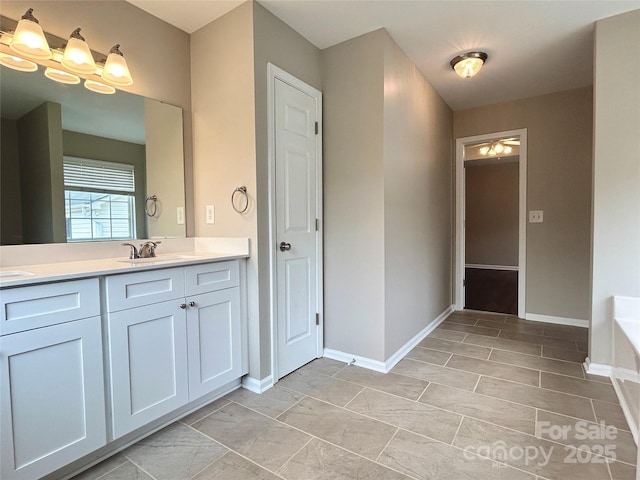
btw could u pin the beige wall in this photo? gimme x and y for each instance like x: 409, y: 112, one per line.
x: 156, y: 52
x: 353, y: 84
x: 616, y: 175
x: 491, y: 213
x: 417, y: 200
x: 10, y: 200
x: 559, y: 129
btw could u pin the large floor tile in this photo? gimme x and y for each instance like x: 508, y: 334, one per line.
x: 512, y: 327
x: 354, y: 432
x: 320, y: 460
x: 127, y: 471
x: 494, y: 410
x: 610, y: 442
x: 567, y: 332
x: 622, y: 471
x: 407, y: 414
x: 570, y: 355
x: 537, y: 397
x: 611, y: 414
x: 320, y: 386
x: 461, y: 319
x: 327, y: 366
x: 206, y: 410
x: 428, y: 459
x: 503, y: 344
x: 437, y: 374
x: 494, y: 369
x: 102, y: 468
x: 175, y: 453
x: 448, y: 335
x: 448, y: 346
x: 578, y: 386
x: 400, y: 385
x: 538, y: 363
x: 538, y: 340
x: 492, y: 440
x: 430, y: 356
x: 259, y: 438
x: 457, y: 327
x: 272, y: 402
x: 234, y: 467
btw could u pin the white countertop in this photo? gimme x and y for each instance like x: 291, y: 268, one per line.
x: 51, y: 272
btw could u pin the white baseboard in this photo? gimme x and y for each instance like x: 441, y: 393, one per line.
x: 257, y: 386
x: 391, y: 362
x: 574, y: 322
x: 597, y: 368
x: 626, y: 410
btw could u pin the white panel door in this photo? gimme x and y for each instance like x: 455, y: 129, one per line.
x: 214, y: 340
x: 148, y: 356
x: 51, y: 397
x: 296, y: 166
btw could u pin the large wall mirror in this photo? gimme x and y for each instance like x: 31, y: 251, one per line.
x: 81, y: 166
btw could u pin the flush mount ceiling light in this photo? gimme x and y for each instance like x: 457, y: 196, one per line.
x: 29, y: 40
x: 468, y: 64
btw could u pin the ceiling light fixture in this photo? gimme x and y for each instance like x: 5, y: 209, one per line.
x: 496, y: 148
x: 65, y: 61
x: 468, y: 64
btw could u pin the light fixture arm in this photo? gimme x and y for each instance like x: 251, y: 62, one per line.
x: 28, y: 15
x: 116, y: 49
x: 76, y: 34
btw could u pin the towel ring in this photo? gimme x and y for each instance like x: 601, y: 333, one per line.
x: 243, y: 191
x: 151, y: 205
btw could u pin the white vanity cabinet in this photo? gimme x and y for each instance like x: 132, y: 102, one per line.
x: 52, y: 396
x: 175, y: 335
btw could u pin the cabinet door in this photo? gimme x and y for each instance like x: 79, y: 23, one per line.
x: 52, y: 398
x: 148, y: 358
x: 214, y: 337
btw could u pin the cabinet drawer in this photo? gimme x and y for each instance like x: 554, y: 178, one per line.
x: 26, y: 308
x: 131, y: 290
x: 211, y: 277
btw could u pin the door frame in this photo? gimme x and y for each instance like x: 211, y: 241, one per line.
x: 273, y: 73
x: 460, y: 215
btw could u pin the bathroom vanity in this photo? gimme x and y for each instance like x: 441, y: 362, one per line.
x: 97, y: 354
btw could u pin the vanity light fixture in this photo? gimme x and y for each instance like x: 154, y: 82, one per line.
x: 99, y: 87
x: 29, y: 40
x: 61, y: 76
x: 468, y: 64
x: 77, y: 56
x: 496, y: 148
x: 115, y: 70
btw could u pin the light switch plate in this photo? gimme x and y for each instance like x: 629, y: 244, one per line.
x: 211, y: 215
x: 536, y: 216
x: 180, y: 215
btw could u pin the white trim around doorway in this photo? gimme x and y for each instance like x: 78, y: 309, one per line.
x: 459, y: 214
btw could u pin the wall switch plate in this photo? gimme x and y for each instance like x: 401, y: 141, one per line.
x: 211, y: 215
x: 180, y: 215
x: 536, y: 216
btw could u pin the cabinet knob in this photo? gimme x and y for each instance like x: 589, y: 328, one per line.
x: 192, y: 304
x: 183, y: 306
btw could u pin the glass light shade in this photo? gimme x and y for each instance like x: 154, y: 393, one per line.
x: 29, y: 39
x: 99, y: 87
x: 468, y: 67
x: 484, y: 150
x: 17, y: 63
x: 115, y: 70
x: 61, y: 77
x: 77, y: 56
x: 508, y: 150
x: 499, y: 148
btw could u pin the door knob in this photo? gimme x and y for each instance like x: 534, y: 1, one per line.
x: 192, y: 304
x: 183, y: 306
x: 285, y: 247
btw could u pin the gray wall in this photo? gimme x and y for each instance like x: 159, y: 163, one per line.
x: 491, y: 213
x: 387, y: 177
x: 559, y: 132
x: 157, y: 53
x: 11, y: 199
x: 615, y: 242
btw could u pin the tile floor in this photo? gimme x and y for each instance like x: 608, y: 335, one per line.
x: 462, y: 405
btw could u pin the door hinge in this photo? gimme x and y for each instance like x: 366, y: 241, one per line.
x: 317, y: 319
x: 317, y: 128
x: 317, y: 225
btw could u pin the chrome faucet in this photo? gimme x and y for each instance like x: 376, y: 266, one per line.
x: 148, y: 249
x: 134, y: 253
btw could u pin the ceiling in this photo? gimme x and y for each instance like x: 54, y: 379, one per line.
x: 534, y: 47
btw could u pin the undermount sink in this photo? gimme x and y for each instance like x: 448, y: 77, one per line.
x: 14, y: 273
x: 159, y: 258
